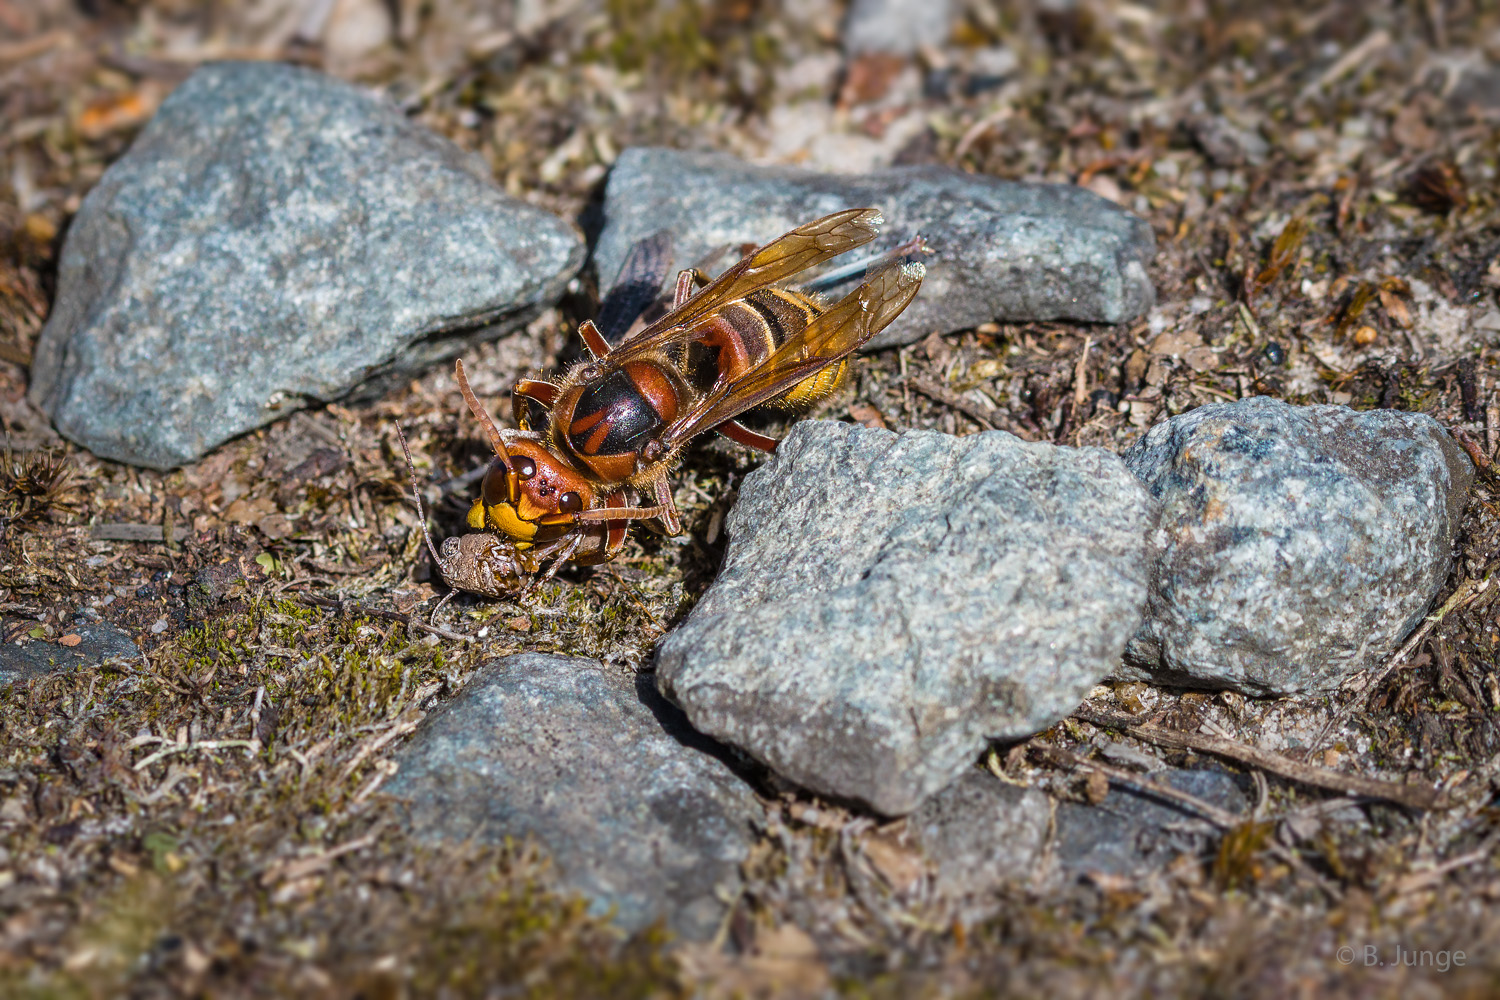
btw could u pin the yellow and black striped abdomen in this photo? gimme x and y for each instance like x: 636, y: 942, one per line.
x: 743, y: 333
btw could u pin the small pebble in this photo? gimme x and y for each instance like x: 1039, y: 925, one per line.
x: 159, y: 627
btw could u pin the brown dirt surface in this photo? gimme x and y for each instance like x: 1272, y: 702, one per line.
x: 209, y: 820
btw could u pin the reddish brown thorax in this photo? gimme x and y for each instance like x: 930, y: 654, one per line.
x: 605, y: 423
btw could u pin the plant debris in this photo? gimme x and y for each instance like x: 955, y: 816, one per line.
x: 209, y: 817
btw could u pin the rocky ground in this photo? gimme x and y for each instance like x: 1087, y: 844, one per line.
x: 244, y: 781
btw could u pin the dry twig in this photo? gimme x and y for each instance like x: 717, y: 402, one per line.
x: 1362, y: 687
x: 1221, y: 818
x: 951, y: 399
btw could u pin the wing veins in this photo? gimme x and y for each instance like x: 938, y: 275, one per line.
x: 835, y: 334
x: 804, y: 247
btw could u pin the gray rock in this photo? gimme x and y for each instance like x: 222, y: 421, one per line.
x: 1298, y: 544
x: 273, y: 238
x: 890, y: 603
x: 981, y: 834
x: 900, y: 27
x: 1005, y: 251
x: 1132, y: 832
x: 633, y: 806
x: 100, y: 642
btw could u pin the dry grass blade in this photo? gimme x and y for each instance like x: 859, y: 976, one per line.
x: 1417, y: 881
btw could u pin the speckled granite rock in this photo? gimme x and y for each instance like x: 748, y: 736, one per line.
x: 1298, y: 543
x: 634, y: 808
x: 982, y: 834
x: 890, y: 603
x: 1006, y: 251
x: 98, y: 642
x: 275, y: 237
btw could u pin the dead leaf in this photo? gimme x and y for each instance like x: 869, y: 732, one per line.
x: 1201, y: 359
x: 1158, y: 373
x: 868, y: 416
x: 275, y: 526
x: 113, y: 112
x: 71, y: 639
x: 1135, y: 369
x: 1176, y: 342
x: 869, y: 77
x: 937, y: 350
x: 786, y: 941
x: 788, y: 957
x: 1395, y: 308
x: 1105, y: 187
x: 1282, y: 256
x: 244, y: 511
x: 1410, y: 127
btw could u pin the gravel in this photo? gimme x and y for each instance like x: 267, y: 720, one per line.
x: 276, y: 238
x: 1298, y: 544
x: 1005, y: 250
x: 636, y: 810
x: 888, y: 604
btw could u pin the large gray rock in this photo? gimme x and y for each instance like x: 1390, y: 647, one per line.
x: 634, y: 808
x: 890, y: 603
x: 1005, y: 250
x: 273, y: 238
x: 1298, y: 544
